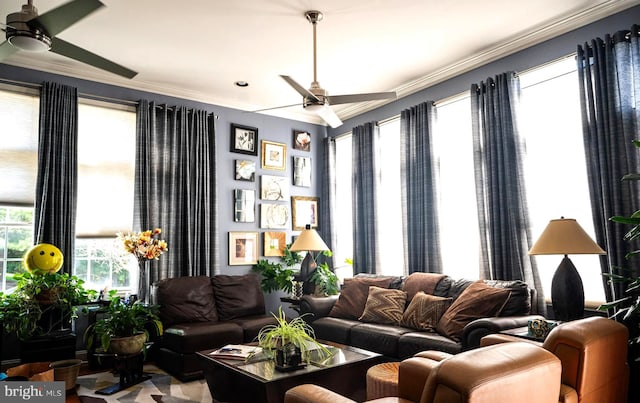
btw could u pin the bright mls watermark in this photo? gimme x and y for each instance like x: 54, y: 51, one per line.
x: 33, y: 392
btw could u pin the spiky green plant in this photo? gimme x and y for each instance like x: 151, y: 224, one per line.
x: 295, y: 331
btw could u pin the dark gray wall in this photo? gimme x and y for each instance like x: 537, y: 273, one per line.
x: 537, y: 55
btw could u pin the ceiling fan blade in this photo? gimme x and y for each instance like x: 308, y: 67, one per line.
x: 275, y: 107
x: 77, y: 53
x: 60, y: 18
x: 301, y: 90
x: 328, y: 115
x: 372, y: 96
x: 6, y: 50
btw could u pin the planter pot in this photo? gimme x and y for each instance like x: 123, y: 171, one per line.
x: 288, y: 357
x: 127, y: 345
x: 66, y: 371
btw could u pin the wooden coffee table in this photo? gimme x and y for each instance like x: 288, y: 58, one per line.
x: 253, y: 382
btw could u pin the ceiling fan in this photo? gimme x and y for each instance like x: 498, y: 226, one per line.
x: 316, y: 99
x: 27, y: 31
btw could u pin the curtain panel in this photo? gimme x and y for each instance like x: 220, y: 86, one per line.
x: 56, y: 183
x: 418, y: 191
x: 609, y: 73
x: 365, y: 183
x: 175, y: 187
x: 505, y: 237
x: 328, y: 205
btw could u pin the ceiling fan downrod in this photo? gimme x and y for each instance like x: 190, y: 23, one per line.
x: 313, y: 17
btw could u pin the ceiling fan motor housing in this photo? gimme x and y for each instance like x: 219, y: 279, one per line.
x: 23, y: 36
x: 319, y: 92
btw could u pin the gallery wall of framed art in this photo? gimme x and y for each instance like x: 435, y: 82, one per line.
x: 273, y: 190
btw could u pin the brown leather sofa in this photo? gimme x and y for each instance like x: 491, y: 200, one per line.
x: 201, y: 313
x: 593, y: 352
x: 511, y: 372
x: 399, y: 342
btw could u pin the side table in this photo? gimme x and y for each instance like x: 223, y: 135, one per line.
x: 130, y: 369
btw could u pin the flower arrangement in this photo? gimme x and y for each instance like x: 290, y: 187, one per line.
x: 143, y: 245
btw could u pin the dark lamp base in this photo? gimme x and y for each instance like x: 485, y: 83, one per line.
x: 567, y: 293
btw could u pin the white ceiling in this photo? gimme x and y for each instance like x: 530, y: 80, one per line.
x: 197, y: 49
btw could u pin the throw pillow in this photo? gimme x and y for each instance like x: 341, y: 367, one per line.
x: 186, y: 299
x: 384, y: 306
x: 424, y: 311
x: 238, y: 296
x: 416, y: 282
x: 353, y: 296
x: 478, y: 300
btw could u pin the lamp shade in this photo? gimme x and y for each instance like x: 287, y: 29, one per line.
x: 565, y: 237
x: 309, y: 240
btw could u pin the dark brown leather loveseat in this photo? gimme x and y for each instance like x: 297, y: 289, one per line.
x: 201, y: 313
x: 470, y: 311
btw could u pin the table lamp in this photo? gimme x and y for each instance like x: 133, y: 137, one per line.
x: 566, y: 237
x: 308, y: 241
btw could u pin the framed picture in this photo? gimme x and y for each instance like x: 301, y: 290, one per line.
x: 274, y: 188
x: 244, y: 205
x: 274, y: 215
x: 302, y: 171
x: 243, y: 248
x: 304, y: 210
x: 301, y: 140
x: 274, y: 155
x: 274, y: 243
x: 245, y: 170
x: 244, y: 139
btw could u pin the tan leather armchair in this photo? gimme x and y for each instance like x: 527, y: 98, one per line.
x: 511, y: 372
x: 593, y: 352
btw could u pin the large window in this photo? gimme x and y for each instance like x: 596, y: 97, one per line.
x: 106, y: 158
x: 555, y: 177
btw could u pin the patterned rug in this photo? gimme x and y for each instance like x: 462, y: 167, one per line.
x: 160, y: 388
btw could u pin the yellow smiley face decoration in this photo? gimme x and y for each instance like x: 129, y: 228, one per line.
x: 43, y: 258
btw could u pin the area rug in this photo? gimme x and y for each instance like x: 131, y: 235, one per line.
x: 160, y: 388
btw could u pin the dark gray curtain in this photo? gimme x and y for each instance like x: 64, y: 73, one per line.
x: 419, y: 206
x: 609, y: 72
x: 503, y: 215
x: 328, y: 203
x: 56, y: 183
x: 366, y: 182
x: 175, y: 187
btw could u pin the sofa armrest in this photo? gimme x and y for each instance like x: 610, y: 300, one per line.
x: 476, y: 330
x: 313, y: 393
x: 316, y: 307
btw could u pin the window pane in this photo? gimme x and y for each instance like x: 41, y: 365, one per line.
x: 19, y: 240
x: 343, y: 248
x: 457, y: 209
x: 555, y: 168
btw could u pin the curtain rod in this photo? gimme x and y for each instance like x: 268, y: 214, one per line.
x: 84, y: 95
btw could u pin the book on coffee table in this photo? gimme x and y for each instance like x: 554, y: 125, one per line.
x: 236, y: 352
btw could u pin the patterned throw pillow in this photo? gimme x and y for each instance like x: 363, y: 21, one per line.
x: 353, y: 296
x: 424, y: 311
x: 384, y: 306
x: 478, y: 300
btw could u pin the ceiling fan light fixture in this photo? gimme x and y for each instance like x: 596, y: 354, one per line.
x: 29, y: 41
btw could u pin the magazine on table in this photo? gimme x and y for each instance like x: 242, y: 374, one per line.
x: 236, y: 351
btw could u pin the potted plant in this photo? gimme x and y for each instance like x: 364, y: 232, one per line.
x: 39, y: 296
x: 274, y: 275
x: 124, y: 328
x: 290, y: 342
x: 326, y: 281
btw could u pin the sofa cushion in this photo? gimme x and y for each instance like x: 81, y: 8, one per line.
x: 384, y: 306
x: 414, y: 342
x: 188, y: 338
x: 424, y: 311
x: 426, y: 282
x: 186, y: 299
x: 478, y: 300
x: 519, y: 302
x: 382, y: 339
x: 353, y: 296
x: 334, y: 329
x: 251, y: 325
x: 238, y: 296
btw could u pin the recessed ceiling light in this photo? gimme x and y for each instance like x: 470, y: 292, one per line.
x: 241, y: 83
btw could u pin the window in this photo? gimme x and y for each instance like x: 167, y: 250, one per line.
x: 343, y: 249
x: 106, y: 163
x: 106, y: 158
x: 18, y: 160
x: 555, y: 168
